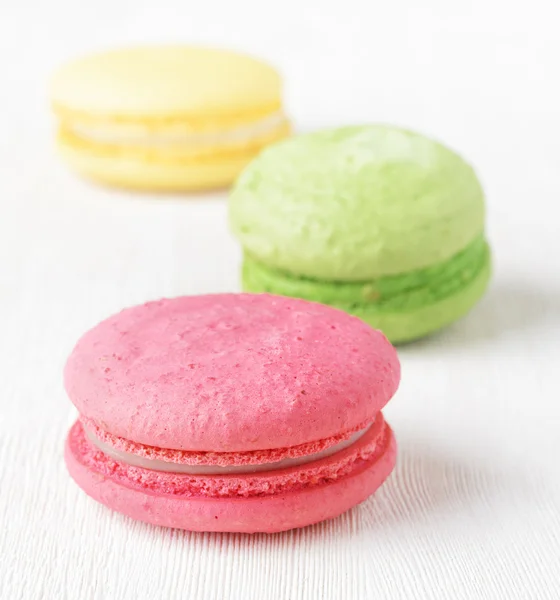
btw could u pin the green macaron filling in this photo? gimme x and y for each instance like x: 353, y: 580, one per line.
x: 393, y: 293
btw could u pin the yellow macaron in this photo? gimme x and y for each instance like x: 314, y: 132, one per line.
x: 166, y: 118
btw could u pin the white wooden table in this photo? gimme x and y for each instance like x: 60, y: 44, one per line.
x: 473, y: 509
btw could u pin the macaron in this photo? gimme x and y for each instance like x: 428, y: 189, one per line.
x: 381, y: 222
x: 166, y: 118
x: 234, y: 412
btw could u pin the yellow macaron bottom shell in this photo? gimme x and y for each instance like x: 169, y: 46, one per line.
x: 205, y: 158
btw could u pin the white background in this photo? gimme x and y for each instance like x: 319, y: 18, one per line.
x: 473, y: 509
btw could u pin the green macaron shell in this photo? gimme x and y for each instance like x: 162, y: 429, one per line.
x: 356, y: 204
x: 404, y: 307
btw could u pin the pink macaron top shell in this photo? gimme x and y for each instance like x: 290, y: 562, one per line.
x: 230, y: 373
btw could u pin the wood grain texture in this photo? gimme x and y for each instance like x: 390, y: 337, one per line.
x: 473, y: 509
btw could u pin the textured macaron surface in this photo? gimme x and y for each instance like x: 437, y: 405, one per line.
x: 231, y: 372
x: 356, y: 204
x: 234, y: 485
x: 165, y: 80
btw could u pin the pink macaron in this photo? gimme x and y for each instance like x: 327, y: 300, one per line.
x: 234, y: 412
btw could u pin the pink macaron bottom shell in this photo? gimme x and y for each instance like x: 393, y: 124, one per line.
x: 263, y: 502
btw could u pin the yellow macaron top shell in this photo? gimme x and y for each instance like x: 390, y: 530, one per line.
x: 164, y: 83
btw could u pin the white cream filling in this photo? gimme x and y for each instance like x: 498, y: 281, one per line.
x: 169, y: 467
x: 138, y: 135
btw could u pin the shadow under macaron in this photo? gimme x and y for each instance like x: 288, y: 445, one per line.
x: 509, y: 308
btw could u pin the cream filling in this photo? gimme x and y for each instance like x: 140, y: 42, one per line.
x: 140, y: 135
x: 169, y: 467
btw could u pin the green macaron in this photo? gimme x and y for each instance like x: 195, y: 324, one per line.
x: 378, y: 221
